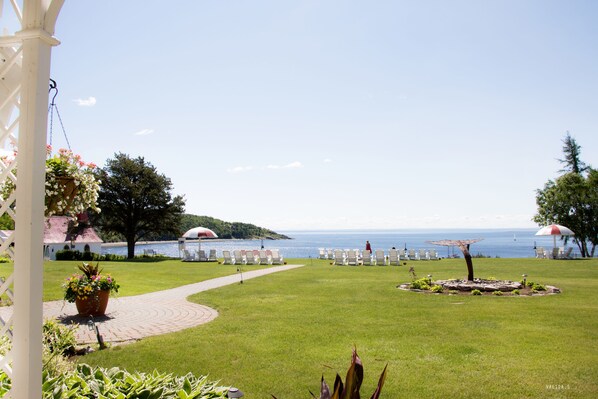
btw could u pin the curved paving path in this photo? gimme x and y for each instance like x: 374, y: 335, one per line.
x: 130, y: 318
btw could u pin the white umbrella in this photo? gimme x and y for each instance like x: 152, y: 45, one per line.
x: 555, y: 230
x: 199, y: 233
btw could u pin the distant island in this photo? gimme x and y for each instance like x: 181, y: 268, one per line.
x: 230, y: 230
x: 225, y: 230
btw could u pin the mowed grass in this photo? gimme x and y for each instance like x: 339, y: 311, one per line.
x: 279, y: 333
x: 134, y: 277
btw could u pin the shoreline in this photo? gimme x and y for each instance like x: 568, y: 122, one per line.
x: 204, y: 241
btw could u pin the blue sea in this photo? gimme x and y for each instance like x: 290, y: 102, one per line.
x: 504, y: 243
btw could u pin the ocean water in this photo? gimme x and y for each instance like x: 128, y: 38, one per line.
x: 504, y: 243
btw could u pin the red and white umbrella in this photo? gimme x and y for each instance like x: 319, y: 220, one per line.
x: 555, y: 230
x: 199, y: 233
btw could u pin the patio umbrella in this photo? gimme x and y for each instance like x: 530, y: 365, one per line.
x: 555, y: 230
x: 199, y: 233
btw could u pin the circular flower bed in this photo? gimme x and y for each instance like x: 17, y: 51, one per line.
x: 479, y: 287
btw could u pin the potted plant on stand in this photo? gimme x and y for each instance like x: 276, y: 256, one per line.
x: 90, y: 291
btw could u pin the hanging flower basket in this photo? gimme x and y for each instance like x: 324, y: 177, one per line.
x: 62, y: 201
x: 71, y: 187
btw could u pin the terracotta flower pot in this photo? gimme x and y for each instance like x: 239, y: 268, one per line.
x: 93, y: 305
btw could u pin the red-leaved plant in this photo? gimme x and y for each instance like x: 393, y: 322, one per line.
x: 350, y: 389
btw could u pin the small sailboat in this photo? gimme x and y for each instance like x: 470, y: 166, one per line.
x: 514, y: 237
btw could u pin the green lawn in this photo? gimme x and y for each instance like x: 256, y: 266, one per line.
x: 279, y: 333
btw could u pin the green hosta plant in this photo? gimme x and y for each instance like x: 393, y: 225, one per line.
x: 90, y: 382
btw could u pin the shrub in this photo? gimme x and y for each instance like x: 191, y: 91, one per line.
x: 515, y: 292
x: 113, y: 257
x: 453, y: 292
x: 421, y: 284
x: 437, y: 288
x: 476, y: 292
x: 68, y: 254
x: 59, y: 338
x: 497, y: 293
x: 89, y: 256
x: 538, y: 287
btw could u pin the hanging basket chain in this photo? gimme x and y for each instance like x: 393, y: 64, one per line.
x: 54, y: 87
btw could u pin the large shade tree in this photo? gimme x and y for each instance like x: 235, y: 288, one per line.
x: 572, y: 199
x: 136, y: 201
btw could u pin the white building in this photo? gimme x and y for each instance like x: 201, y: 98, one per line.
x: 61, y: 232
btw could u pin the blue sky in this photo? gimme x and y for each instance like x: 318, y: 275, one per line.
x: 335, y: 114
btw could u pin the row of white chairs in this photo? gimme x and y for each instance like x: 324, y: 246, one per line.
x: 555, y: 253
x: 379, y: 257
x: 253, y: 257
x: 199, y: 256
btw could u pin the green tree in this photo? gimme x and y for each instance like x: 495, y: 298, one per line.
x: 572, y: 152
x: 572, y: 200
x: 135, y: 201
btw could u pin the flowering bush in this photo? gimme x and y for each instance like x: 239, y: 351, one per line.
x: 71, y: 187
x: 88, y: 284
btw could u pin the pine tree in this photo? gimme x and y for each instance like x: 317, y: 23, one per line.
x: 572, y: 152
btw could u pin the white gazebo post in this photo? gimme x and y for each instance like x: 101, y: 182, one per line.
x: 35, y: 41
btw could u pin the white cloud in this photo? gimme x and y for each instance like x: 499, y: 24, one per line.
x: 292, y: 165
x: 144, y: 132
x: 240, y: 169
x: 327, y: 160
x: 89, y: 102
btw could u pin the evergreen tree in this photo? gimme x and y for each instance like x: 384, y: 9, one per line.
x: 135, y: 201
x: 572, y: 152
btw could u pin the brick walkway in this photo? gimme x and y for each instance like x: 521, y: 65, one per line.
x: 135, y: 317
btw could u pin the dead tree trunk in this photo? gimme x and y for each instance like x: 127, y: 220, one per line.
x: 467, y: 256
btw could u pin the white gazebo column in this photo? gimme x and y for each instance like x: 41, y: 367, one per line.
x: 39, y: 17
